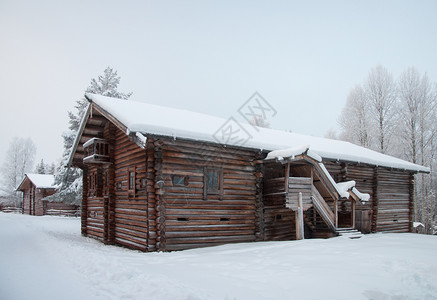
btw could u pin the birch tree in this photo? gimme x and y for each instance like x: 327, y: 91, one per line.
x: 19, y: 160
x: 402, y: 121
x: 354, y: 119
x: 380, y: 90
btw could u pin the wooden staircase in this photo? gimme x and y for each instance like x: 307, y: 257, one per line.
x: 328, y: 217
x: 323, y: 209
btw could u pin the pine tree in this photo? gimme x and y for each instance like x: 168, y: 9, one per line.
x: 50, y: 169
x: 69, y: 179
x: 41, y: 167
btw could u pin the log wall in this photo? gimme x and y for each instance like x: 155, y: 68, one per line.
x: 26, y: 202
x: 279, y: 221
x: 32, y: 200
x: 193, y: 218
x: 130, y: 205
x: 94, y: 205
x: 393, y: 201
x: 389, y: 208
x: 60, y: 209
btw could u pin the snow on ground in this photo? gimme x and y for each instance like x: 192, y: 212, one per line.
x: 47, y: 258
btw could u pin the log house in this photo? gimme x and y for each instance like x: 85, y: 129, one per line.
x: 158, y: 179
x: 35, y: 187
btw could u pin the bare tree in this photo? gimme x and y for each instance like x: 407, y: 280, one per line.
x: 331, y: 134
x: 427, y: 131
x: 19, y: 160
x: 399, y: 119
x: 380, y: 90
x: 258, y: 120
x: 354, y: 119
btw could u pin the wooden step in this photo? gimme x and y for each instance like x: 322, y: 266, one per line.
x: 349, y: 233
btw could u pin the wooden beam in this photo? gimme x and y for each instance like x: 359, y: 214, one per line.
x: 110, y: 117
x: 300, y: 219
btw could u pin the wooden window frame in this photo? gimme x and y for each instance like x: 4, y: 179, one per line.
x: 212, y: 191
x: 176, y: 180
x: 106, y: 182
x: 131, y: 186
x: 92, y: 184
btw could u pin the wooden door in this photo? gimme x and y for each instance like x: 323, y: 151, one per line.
x: 363, y: 220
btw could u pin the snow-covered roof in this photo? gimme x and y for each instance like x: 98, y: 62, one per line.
x: 343, y: 189
x: 418, y: 224
x: 41, y: 181
x: 164, y: 121
x: 292, y: 152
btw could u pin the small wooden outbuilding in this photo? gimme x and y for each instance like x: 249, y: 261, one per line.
x: 157, y: 178
x: 35, y: 188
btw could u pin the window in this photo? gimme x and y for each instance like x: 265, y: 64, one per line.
x: 213, y: 182
x: 106, y: 183
x: 180, y: 180
x: 131, y: 183
x: 131, y: 180
x: 92, y: 184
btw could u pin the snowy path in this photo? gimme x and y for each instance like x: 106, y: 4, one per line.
x: 46, y: 258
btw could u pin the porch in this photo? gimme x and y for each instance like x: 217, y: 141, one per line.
x: 320, y: 207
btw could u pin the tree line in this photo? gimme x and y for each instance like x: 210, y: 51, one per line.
x: 397, y: 116
x: 20, y: 156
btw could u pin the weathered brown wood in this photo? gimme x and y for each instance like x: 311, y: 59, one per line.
x: 170, y: 207
x: 32, y: 197
x: 84, y: 212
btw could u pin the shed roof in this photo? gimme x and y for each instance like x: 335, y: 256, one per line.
x: 150, y: 119
x: 41, y: 181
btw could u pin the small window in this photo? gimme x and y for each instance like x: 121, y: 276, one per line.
x: 92, y: 185
x: 107, y: 178
x: 131, y: 180
x: 213, y: 182
x: 180, y: 180
x: 106, y: 183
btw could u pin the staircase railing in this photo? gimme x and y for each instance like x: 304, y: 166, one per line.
x: 323, y: 209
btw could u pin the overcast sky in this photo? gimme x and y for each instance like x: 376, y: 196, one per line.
x: 207, y: 56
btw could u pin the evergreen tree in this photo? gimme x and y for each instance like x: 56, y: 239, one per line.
x: 50, y: 169
x: 69, y: 179
x: 41, y: 167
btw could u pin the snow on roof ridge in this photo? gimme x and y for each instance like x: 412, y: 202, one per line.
x: 42, y: 180
x: 292, y: 152
x: 178, y: 123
